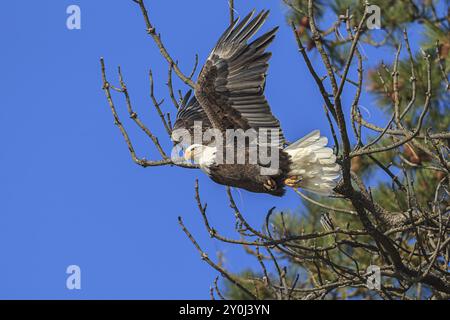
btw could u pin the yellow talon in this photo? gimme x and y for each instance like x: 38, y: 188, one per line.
x: 293, y: 181
x: 270, y: 184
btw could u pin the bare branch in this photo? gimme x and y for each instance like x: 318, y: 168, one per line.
x: 151, y: 30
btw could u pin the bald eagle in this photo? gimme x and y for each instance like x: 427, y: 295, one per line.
x: 229, y: 94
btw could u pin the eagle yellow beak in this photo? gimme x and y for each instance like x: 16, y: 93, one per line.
x: 188, y: 155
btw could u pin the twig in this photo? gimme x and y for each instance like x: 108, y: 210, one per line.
x: 140, y: 161
x: 205, y: 257
x: 151, y: 30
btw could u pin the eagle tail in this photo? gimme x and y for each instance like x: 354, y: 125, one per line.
x: 314, y: 163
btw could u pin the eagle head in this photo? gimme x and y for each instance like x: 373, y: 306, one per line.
x: 204, y: 156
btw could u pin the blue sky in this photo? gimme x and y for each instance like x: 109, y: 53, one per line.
x: 70, y: 193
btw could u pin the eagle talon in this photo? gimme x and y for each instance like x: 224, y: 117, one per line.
x: 293, y: 181
x: 270, y: 184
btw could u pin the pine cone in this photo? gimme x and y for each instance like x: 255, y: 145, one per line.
x: 304, y: 22
x: 415, y: 156
x: 356, y: 164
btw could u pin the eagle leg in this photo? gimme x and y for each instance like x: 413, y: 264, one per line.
x: 293, y: 181
x: 270, y: 184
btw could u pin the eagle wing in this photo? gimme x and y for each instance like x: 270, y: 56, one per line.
x: 230, y: 87
x: 189, y: 112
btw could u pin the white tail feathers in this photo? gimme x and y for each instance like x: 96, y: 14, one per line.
x: 314, y: 163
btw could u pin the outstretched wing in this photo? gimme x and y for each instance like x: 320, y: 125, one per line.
x: 230, y: 87
x: 190, y: 111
